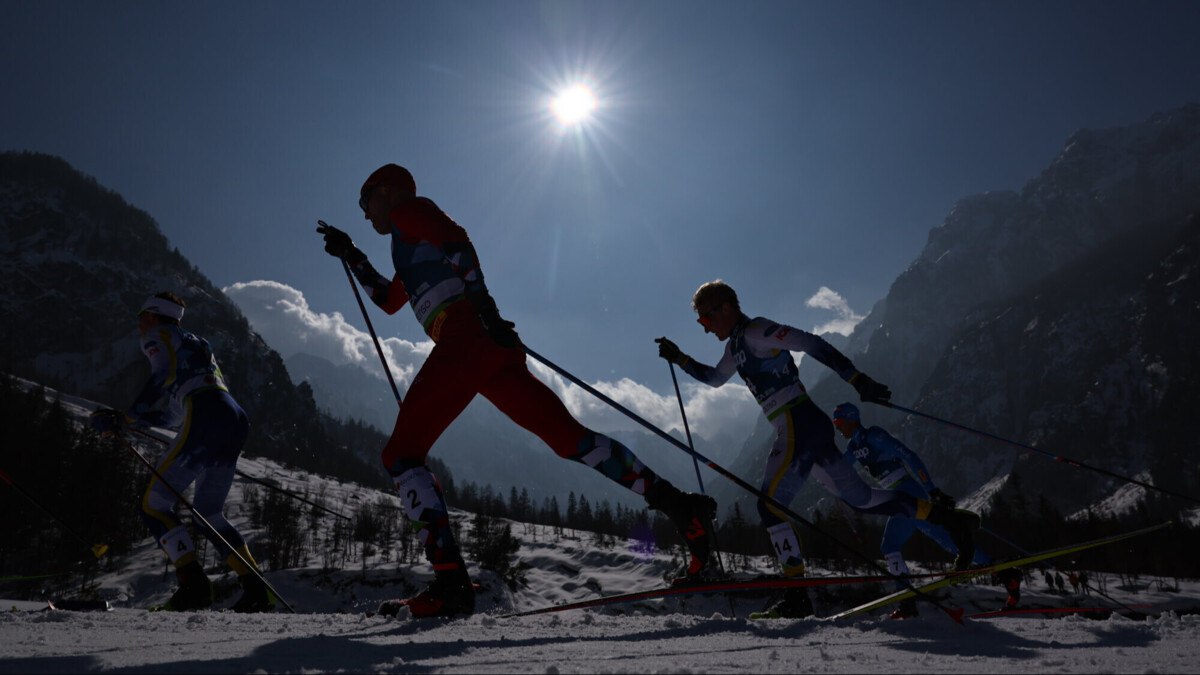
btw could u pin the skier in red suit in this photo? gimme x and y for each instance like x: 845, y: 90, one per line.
x: 475, y: 352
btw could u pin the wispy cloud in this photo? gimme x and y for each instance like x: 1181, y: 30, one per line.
x: 282, y: 316
x: 847, y: 319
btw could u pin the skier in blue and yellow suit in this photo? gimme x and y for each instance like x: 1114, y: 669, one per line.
x: 895, y: 467
x: 759, y: 350
x: 187, y: 390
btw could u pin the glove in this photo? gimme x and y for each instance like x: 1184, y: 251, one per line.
x: 939, y: 498
x: 107, y: 421
x: 501, y: 331
x: 869, y: 390
x: 670, y: 351
x: 339, y: 245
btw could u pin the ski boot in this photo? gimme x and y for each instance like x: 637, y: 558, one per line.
x: 692, y: 514
x: 195, y: 590
x: 256, y: 596
x: 689, y: 575
x: 961, y: 525
x: 1010, y: 579
x: 907, y: 609
x: 449, y: 594
x: 794, y: 604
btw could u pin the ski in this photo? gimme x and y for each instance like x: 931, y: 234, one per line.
x: 964, y: 575
x: 725, y: 586
x: 80, y: 605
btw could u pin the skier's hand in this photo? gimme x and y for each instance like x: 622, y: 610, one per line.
x: 942, y: 499
x: 502, y: 331
x: 670, y: 351
x: 339, y: 245
x: 106, y: 421
x: 869, y: 390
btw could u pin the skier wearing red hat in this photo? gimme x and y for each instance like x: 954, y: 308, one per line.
x: 476, y: 351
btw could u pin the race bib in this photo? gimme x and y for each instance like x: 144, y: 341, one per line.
x: 177, y: 543
x: 418, y: 491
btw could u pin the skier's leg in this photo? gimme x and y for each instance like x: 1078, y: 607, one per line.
x: 532, y: 405
x: 442, y: 388
x: 159, y: 502
x: 220, y: 430
x: 178, y: 469
x: 787, y: 469
x: 785, y: 473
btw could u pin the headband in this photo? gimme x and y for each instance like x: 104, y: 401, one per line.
x: 162, y: 307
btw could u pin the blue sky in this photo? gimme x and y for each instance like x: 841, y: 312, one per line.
x: 782, y: 146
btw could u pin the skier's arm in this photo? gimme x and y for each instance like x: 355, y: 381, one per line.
x: 712, y: 376
x: 389, y: 294
x: 147, y: 409
x: 770, y: 335
x: 889, y: 446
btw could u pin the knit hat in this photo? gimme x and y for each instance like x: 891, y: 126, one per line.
x: 846, y: 411
x: 390, y: 174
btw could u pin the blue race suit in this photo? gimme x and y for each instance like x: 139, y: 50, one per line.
x: 760, y: 351
x: 187, y: 390
x: 895, y: 467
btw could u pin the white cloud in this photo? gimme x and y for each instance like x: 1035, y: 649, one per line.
x: 711, y: 412
x: 847, y: 319
x: 282, y: 316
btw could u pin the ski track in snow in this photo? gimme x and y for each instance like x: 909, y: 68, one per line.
x: 332, y: 634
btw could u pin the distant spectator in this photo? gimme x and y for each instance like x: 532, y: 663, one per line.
x: 1049, y: 580
x: 1058, y: 581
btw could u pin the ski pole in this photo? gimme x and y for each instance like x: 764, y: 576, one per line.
x: 204, y: 521
x: 98, y: 550
x: 253, y: 479
x: 1023, y: 551
x: 291, y: 494
x: 1058, y: 458
x: 686, y: 430
x: 955, y: 614
x: 695, y: 462
x: 354, y: 287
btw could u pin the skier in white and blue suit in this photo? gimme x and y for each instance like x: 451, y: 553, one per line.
x: 895, y: 467
x: 759, y: 350
x: 187, y: 391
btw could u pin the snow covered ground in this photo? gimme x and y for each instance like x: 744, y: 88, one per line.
x: 332, y: 633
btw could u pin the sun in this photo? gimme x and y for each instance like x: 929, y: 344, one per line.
x: 574, y: 106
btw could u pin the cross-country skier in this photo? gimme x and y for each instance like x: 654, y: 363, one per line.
x: 760, y: 351
x: 187, y: 391
x: 475, y: 352
x: 895, y: 467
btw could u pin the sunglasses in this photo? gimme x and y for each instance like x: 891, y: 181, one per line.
x: 705, y: 318
x: 365, y: 197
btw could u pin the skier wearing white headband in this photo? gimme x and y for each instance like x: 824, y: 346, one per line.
x: 187, y: 391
